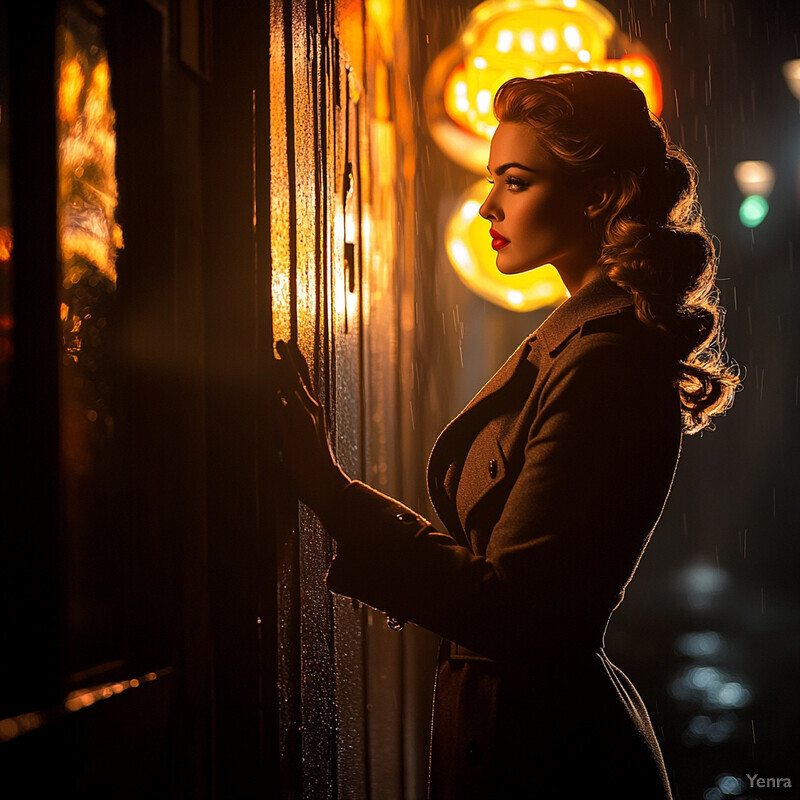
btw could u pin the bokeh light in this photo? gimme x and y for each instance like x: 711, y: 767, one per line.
x: 753, y: 211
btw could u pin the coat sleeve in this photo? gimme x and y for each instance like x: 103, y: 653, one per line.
x: 598, y: 463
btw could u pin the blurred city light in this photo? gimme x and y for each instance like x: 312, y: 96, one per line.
x: 700, y: 645
x: 702, y: 584
x: 730, y: 785
x: 753, y: 211
x: 754, y: 177
x: 755, y: 180
x: 791, y: 74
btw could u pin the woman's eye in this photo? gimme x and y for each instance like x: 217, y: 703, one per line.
x: 515, y: 184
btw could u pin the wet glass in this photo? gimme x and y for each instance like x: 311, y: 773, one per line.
x: 89, y: 238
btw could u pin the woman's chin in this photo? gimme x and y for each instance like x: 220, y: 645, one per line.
x: 510, y: 268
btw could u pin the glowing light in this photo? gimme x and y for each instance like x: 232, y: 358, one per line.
x: 527, y: 38
x: 732, y: 695
x: 69, y: 89
x: 704, y: 579
x: 90, y: 237
x: 527, y: 41
x: 549, y: 41
x: 460, y: 255
x: 572, y: 36
x: 753, y: 211
x: 469, y: 249
x: 700, y: 645
x: 570, y: 3
x: 703, y: 677
x: 754, y: 177
x: 484, y: 101
x: 730, y: 785
x: 469, y: 210
x: 6, y: 244
x: 504, y: 41
x: 462, y: 101
x: 791, y: 74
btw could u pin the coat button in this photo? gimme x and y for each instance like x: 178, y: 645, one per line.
x: 407, y: 516
x: 492, y: 467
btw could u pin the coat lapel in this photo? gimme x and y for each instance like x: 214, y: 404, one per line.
x: 598, y: 298
x: 454, y: 441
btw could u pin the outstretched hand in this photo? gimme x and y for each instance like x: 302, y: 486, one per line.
x: 317, y: 475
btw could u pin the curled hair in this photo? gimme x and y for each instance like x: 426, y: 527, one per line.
x: 653, y: 237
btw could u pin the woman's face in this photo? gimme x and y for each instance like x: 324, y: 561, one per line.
x: 537, y: 213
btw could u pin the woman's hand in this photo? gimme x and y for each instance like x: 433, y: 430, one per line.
x: 316, y: 473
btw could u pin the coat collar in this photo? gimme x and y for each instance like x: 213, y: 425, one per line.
x: 598, y: 298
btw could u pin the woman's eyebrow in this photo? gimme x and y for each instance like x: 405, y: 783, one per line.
x: 504, y: 167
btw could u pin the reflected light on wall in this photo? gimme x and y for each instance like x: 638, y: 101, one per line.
x: 503, y: 39
x: 6, y: 316
x: 470, y: 251
x: 6, y: 244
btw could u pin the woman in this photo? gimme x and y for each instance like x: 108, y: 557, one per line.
x: 552, y: 479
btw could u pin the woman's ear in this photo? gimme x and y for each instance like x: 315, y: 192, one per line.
x: 601, y: 197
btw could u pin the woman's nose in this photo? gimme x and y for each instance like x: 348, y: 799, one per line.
x: 489, y: 210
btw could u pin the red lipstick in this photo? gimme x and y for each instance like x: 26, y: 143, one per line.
x: 498, y: 241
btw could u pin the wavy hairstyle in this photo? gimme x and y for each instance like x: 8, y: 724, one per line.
x: 653, y: 237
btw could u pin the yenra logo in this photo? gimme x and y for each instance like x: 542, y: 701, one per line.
x: 769, y: 783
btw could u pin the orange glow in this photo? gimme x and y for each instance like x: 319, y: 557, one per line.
x: 15, y: 726
x: 90, y: 236
x: 6, y: 244
x: 69, y: 90
x: 504, y: 39
x: 381, y: 15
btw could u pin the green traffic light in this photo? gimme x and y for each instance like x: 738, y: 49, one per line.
x: 753, y: 210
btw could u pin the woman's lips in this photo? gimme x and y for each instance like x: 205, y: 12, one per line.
x: 498, y: 241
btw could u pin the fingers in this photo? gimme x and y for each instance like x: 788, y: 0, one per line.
x: 294, y: 367
x: 300, y: 364
x: 290, y: 354
x: 294, y: 378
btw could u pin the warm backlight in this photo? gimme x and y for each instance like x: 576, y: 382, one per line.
x: 505, y: 39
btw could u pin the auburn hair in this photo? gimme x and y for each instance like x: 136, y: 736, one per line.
x: 654, y: 242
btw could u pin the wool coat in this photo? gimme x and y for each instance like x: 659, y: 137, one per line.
x: 547, y: 486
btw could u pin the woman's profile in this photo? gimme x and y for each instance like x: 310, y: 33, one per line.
x: 550, y: 482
